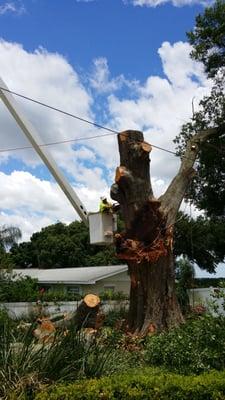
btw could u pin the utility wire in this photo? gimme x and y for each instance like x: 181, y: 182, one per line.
x: 59, y: 110
x: 54, y: 143
x: 112, y: 131
x: 75, y: 140
x: 99, y: 126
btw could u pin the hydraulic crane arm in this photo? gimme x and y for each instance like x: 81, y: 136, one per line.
x: 33, y: 136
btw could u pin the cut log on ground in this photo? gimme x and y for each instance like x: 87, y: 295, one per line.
x: 86, y: 314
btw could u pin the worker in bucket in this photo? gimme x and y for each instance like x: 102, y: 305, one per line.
x: 105, y: 206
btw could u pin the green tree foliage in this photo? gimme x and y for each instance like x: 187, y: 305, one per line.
x: 208, y: 38
x: 207, y: 190
x: 61, y: 246
x: 8, y: 236
x: 194, y: 347
x: 201, y: 240
x: 17, y: 288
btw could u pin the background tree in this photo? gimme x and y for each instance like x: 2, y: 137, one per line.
x: 210, y: 163
x: 201, y: 240
x: 61, y: 246
x: 208, y: 38
x: 8, y: 236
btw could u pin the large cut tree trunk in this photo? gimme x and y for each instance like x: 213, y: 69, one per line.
x: 147, y: 243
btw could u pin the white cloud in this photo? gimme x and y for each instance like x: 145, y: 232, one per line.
x: 176, y: 3
x: 31, y: 203
x: 162, y: 105
x: 179, y: 68
x: 159, y: 107
x: 49, y: 78
x: 11, y: 7
x: 100, y: 77
x: 27, y: 225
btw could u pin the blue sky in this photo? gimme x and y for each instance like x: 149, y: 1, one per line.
x: 123, y: 63
x: 127, y: 36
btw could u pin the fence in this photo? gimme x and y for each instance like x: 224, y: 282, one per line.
x: 24, y: 309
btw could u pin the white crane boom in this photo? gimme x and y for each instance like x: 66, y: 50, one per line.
x: 33, y: 136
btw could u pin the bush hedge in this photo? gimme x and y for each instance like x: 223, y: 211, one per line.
x: 148, y: 384
x: 192, y: 348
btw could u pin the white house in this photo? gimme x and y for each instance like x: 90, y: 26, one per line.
x: 82, y: 280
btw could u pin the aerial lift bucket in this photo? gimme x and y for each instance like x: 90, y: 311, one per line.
x: 102, y: 227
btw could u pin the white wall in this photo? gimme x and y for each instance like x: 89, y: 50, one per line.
x: 203, y: 296
x: 24, y: 309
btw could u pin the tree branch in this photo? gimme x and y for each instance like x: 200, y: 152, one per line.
x: 172, y: 198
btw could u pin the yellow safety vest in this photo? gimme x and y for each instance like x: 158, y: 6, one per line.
x: 104, y: 206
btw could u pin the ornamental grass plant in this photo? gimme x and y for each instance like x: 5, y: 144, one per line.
x: 26, y: 365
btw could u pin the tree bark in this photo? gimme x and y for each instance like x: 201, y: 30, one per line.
x: 86, y: 314
x: 147, y: 243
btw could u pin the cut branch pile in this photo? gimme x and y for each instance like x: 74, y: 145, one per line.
x: 87, y: 317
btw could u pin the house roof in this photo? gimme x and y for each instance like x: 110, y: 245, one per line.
x: 82, y: 276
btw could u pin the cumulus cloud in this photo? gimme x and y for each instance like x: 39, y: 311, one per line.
x: 100, y: 77
x: 163, y: 104
x: 49, y: 78
x: 159, y: 107
x: 32, y: 203
x: 176, y: 3
x: 179, y: 68
x: 16, y: 8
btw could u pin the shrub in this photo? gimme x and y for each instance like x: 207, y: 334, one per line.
x: 3, y: 316
x: 58, y: 294
x: 115, y: 317
x: 148, y: 384
x: 217, y: 301
x: 111, y: 295
x: 194, y: 347
x: 6, y: 324
x: 17, y: 288
x: 26, y: 364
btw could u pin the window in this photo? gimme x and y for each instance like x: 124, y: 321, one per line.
x: 74, y: 290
